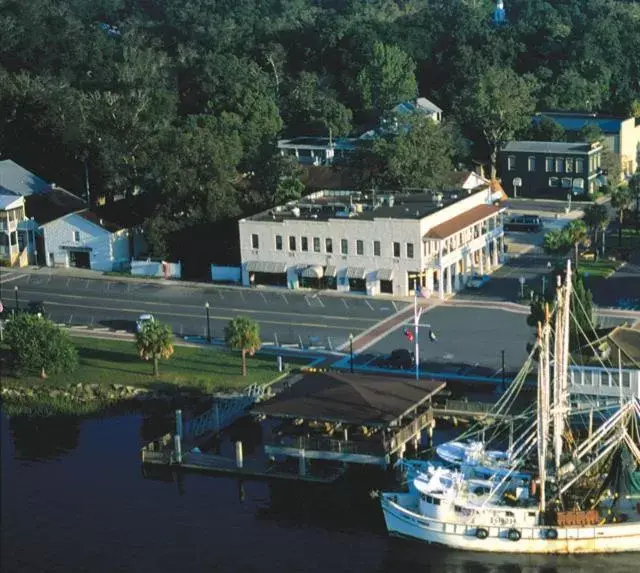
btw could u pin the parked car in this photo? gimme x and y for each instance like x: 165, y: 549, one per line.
x: 143, y: 320
x: 477, y: 281
x: 524, y: 224
x: 400, y: 358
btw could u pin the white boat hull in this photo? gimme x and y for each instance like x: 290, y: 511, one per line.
x: 609, y: 538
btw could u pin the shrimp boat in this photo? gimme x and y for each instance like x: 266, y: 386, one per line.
x: 552, y: 491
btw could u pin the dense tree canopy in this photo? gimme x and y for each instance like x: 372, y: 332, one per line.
x: 186, y: 98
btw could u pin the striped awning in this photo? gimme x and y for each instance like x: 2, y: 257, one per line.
x: 266, y: 267
x: 313, y: 272
x: 330, y: 271
x: 385, y: 274
x: 355, y: 272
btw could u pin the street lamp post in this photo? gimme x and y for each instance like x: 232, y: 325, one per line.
x: 15, y: 290
x: 206, y: 307
x: 351, y: 353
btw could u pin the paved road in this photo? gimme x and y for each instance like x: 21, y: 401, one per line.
x: 286, y: 315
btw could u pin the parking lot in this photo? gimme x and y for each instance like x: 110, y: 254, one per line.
x: 286, y: 317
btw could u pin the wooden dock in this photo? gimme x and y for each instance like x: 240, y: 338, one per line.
x: 251, y: 468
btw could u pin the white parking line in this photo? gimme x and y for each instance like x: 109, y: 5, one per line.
x: 368, y: 304
x: 284, y: 298
x: 11, y: 278
x: 221, y: 295
x: 306, y: 298
x: 394, y: 305
x: 242, y: 296
x: 345, y: 303
x: 264, y: 298
x: 320, y: 301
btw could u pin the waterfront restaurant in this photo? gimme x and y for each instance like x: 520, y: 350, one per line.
x: 348, y: 418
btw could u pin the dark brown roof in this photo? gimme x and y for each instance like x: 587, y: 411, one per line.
x: 362, y: 399
x: 332, y: 177
x: 456, y: 224
x: 96, y: 220
x: 52, y: 204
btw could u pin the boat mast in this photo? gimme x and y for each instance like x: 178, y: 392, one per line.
x: 561, y: 359
x: 543, y: 405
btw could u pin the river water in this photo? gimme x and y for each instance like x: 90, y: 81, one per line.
x: 74, y: 500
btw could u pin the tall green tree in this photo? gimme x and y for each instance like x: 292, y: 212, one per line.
x: 545, y: 129
x: 596, y: 218
x: 577, y: 236
x: 312, y: 107
x: 38, y: 345
x: 419, y: 157
x: 621, y: 198
x: 499, y: 105
x: 153, y: 342
x: 634, y: 189
x: 387, y: 78
x: 243, y: 334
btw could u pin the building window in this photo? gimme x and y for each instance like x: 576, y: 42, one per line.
x: 548, y: 164
x: 278, y: 242
x: 76, y: 236
x: 554, y: 182
x: 579, y: 165
x: 511, y: 163
x: 409, y: 250
x: 376, y: 248
x: 568, y: 165
x: 304, y: 244
x: 396, y: 250
x: 316, y: 244
x: 255, y: 241
x: 559, y: 165
x: 344, y: 246
x: 292, y: 243
x: 328, y: 245
x: 566, y: 183
x: 532, y: 163
x: 359, y: 247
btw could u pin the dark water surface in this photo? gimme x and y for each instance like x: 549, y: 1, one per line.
x: 74, y: 500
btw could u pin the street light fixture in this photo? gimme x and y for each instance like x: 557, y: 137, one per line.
x: 351, y: 352
x: 15, y: 290
x: 206, y: 307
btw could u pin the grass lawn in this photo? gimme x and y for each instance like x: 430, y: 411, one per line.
x: 599, y: 268
x: 630, y: 239
x: 109, y: 362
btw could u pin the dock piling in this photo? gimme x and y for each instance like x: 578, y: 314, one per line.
x: 239, y: 460
x: 177, y: 448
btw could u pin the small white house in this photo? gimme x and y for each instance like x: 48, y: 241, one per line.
x: 83, y: 240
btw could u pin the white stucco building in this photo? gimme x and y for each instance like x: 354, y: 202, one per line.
x: 82, y: 240
x: 375, y: 243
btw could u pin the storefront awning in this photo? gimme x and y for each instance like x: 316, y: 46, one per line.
x: 76, y: 248
x: 266, y: 267
x: 355, y: 272
x: 330, y: 271
x: 313, y: 272
x: 385, y: 274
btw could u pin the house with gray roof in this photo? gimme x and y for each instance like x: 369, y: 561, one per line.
x: 18, y: 181
x: 550, y: 168
x: 621, y: 134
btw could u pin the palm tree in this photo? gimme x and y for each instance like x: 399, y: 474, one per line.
x: 154, y: 341
x: 576, y: 232
x: 620, y: 199
x: 596, y: 217
x: 243, y: 334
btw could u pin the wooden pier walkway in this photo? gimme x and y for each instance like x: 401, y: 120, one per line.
x: 251, y: 468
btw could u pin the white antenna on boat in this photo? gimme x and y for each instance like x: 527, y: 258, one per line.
x: 561, y: 362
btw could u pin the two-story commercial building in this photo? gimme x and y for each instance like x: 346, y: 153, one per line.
x: 375, y: 242
x: 12, y: 250
x: 621, y: 134
x: 549, y: 168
